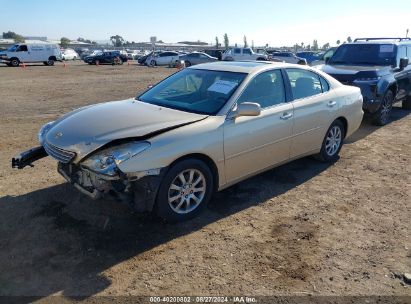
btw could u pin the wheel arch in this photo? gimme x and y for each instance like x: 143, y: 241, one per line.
x: 344, y: 121
x: 207, y: 160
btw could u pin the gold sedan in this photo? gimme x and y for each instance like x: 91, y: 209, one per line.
x: 198, y: 131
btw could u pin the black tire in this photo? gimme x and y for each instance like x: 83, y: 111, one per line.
x: 187, y: 63
x: 8, y: 64
x: 97, y: 62
x: 382, y: 116
x: 153, y: 63
x: 50, y: 62
x: 261, y: 59
x: 165, y: 210
x: 15, y: 62
x: 406, y: 104
x: 301, y: 62
x: 331, y: 155
x: 45, y: 62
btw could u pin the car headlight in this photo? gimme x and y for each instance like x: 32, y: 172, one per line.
x: 43, y: 131
x: 106, y: 161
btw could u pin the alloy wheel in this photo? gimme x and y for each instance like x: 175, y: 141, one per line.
x: 333, y: 140
x: 187, y: 191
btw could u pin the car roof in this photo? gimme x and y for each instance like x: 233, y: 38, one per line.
x: 397, y: 41
x: 239, y: 66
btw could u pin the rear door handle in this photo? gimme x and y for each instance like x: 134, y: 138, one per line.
x: 286, y: 116
x: 331, y: 104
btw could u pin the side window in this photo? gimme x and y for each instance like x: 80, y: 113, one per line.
x: 267, y: 89
x: 303, y: 83
x: 237, y: 51
x: 22, y: 48
x: 402, y: 53
x: 324, y: 85
x: 247, y: 51
x: 409, y: 52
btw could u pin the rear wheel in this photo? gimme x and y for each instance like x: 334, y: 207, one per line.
x: 332, y: 142
x: 382, y: 116
x: 185, y: 191
x: 50, y: 62
x: 153, y: 63
x: 187, y: 63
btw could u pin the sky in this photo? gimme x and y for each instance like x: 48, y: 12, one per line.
x: 272, y: 22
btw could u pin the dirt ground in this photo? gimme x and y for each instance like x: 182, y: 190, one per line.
x: 303, y: 228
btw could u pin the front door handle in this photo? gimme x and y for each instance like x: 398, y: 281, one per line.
x: 286, y: 116
x: 331, y: 104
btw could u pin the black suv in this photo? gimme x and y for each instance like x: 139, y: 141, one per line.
x: 380, y: 68
x: 110, y: 57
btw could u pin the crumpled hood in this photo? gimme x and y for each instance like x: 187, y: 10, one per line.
x: 87, y: 129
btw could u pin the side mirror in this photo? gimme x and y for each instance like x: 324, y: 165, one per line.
x: 246, y: 109
x: 403, y: 63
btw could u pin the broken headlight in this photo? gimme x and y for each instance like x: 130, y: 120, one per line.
x: 106, y: 161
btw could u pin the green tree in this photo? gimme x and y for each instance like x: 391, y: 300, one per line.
x: 326, y: 46
x: 226, y: 41
x: 217, y: 43
x: 338, y: 42
x: 12, y: 35
x: 117, y: 40
x: 349, y: 40
x: 245, y: 42
x: 302, y: 45
x: 315, y: 45
x: 64, y: 42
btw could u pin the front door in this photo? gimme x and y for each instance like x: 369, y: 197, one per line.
x: 252, y: 144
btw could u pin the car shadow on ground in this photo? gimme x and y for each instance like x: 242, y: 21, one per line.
x: 93, y: 236
x: 367, y: 127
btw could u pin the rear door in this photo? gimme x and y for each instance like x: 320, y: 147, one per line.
x: 252, y: 144
x: 314, y: 105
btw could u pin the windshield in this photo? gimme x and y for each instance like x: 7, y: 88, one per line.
x: 196, y: 91
x: 12, y: 48
x: 367, y: 54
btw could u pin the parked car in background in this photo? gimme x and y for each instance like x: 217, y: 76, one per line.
x: 69, y: 54
x: 198, y: 131
x: 163, y: 58
x: 90, y: 53
x: 324, y: 57
x: 217, y: 53
x: 143, y: 59
x: 30, y: 53
x: 309, y: 56
x: 197, y: 58
x: 288, y: 57
x: 110, y: 57
x: 240, y: 54
x: 380, y: 67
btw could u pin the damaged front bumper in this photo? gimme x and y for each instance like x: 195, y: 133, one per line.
x: 139, y: 192
x: 139, y: 189
x: 27, y: 158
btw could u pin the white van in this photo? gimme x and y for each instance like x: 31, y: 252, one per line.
x: 28, y: 53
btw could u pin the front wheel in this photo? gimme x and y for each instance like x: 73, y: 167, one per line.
x: 382, y: 116
x: 153, y: 63
x: 332, y: 142
x: 15, y: 62
x: 185, y: 191
x: 187, y: 63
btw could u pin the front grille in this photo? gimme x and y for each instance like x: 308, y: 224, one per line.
x: 59, y: 154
